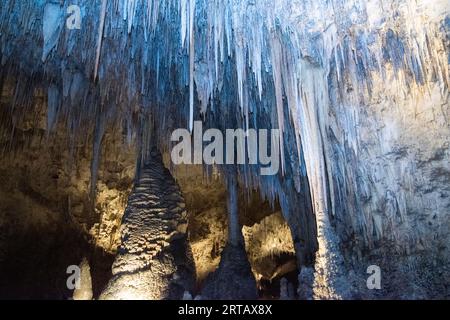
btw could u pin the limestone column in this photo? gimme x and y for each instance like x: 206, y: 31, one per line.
x: 235, y: 237
x: 154, y: 260
x: 233, y: 279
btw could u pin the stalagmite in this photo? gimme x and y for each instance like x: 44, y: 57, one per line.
x: 306, y: 284
x: 101, y: 29
x: 235, y: 233
x: 52, y: 22
x: 233, y: 279
x: 84, y: 292
x: 154, y: 259
x: 187, y: 296
x: 286, y: 290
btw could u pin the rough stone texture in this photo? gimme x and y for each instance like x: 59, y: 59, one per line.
x: 306, y: 281
x: 84, y: 292
x: 287, y: 291
x: 395, y: 177
x: 154, y: 260
x: 233, y: 279
x: 31, y: 207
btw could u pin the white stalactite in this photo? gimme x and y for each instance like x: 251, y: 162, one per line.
x: 101, y: 29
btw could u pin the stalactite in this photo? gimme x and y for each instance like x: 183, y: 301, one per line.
x: 101, y: 29
x: 84, y: 292
x: 51, y: 28
x: 98, y: 138
x: 191, y: 62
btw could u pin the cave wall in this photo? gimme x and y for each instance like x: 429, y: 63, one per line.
x: 48, y: 219
x: 384, y: 135
x: 392, y: 168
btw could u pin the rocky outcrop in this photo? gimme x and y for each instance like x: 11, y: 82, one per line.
x: 154, y: 260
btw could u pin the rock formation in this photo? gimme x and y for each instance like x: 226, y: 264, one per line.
x: 357, y: 88
x: 233, y: 279
x: 84, y: 292
x: 154, y: 260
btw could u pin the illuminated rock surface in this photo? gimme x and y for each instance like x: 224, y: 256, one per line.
x: 154, y: 260
x: 84, y: 292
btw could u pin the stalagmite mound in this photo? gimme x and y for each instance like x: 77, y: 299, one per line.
x: 233, y: 279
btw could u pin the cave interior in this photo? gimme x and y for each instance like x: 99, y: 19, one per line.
x: 93, y: 91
